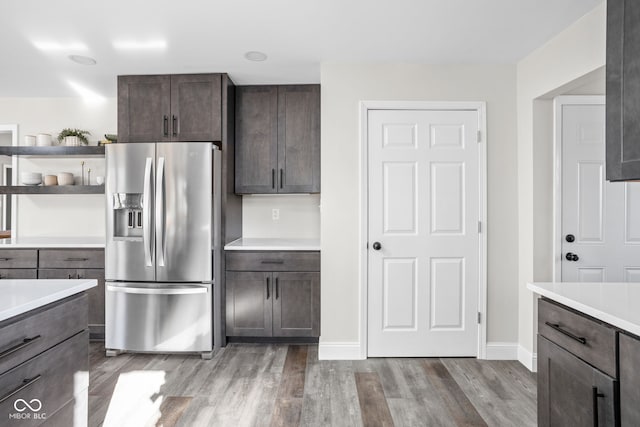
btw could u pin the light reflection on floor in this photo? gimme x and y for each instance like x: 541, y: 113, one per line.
x: 136, y: 400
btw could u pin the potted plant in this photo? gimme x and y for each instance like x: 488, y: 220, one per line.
x: 73, y: 136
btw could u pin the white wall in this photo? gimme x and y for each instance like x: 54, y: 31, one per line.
x: 343, y: 86
x: 550, y: 70
x: 299, y: 216
x: 68, y: 215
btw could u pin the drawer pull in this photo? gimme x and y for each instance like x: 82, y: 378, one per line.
x: 272, y: 262
x: 6, y: 259
x: 25, y: 342
x: 557, y: 327
x: 77, y: 259
x: 25, y: 383
x: 267, y: 288
x: 595, y: 395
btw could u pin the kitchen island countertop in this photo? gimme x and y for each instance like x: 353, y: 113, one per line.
x: 272, y: 244
x: 20, y: 296
x: 614, y: 303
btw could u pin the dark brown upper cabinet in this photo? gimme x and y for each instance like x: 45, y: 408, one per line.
x: 181, y: 107
x: 623, y: 90
x: 278, y: 139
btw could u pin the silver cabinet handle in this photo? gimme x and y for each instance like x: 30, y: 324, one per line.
x: 174, y: 290
x: 147, y: 236
x: 160, y: 217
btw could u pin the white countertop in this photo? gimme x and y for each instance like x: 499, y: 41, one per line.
x: 20, y: 296
x: 615, y: 303
x: 268, y: 244
x: 53, y: 242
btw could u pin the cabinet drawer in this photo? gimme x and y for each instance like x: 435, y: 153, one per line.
x: 54, y: 378
x: 591, y: 341
x: 19, y: 258
x: 71, y: 258
x: 272, y: 261
x: 30, y: 334
x: 18, y: 273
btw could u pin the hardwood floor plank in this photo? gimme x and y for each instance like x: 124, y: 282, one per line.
x: 460, y: 407
x: 171, y: 410
x: 373, y: 404
x: 293, y: 373
x: 286, y: 412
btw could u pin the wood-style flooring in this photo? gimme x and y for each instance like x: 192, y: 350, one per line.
x: 286, y: 385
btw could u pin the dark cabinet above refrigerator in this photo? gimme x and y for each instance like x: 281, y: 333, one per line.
x: 623, y: 90
x: 162, y: 108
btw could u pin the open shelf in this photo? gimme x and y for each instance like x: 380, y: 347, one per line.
x: 52, y: 189
x: 54, y: 150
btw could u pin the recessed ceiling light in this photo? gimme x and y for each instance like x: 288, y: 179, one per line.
x: 54, y: 46
x: 140, y: 45
x: 255, y: 56
x: 83, y: 60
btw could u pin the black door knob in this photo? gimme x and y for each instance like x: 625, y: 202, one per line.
x: 570, y: 238
x: 377, y: 246
x: 571, y: 257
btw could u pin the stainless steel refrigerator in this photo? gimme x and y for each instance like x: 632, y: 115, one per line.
x: 162, y: 253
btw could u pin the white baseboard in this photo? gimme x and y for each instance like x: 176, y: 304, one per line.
x: 502, y: 351
x: 528, y: 359
x: 339, y: 351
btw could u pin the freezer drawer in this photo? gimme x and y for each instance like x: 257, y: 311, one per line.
x: 158, y: 317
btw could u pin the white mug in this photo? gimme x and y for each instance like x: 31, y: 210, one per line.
x: 29, y: 140
x: 43, y: 139
x: 100, y: 180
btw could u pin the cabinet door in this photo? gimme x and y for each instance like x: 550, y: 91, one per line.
x: 249, y: 311
x: 96, y: 294
x: 143, y: 108
x: 571, y: 392
x: 299, y: 139
x: 256, y: 139
x: 196, y: 107
x: 296, y: 305
x: 623, y: 90
x: 629, y: 381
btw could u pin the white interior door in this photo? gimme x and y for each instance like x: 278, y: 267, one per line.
x: 600, y: 224
x: 423, y: 212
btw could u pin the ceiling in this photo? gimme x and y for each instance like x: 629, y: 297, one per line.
x: 37, y: 36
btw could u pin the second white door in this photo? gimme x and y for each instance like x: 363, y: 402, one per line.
x: 600, y: 225
x: 423, y: 214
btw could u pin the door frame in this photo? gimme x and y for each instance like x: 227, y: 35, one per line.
x: 480, y: 108
x: 558, y: 103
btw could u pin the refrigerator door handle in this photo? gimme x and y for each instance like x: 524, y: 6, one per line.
x: 173, y: 290
x: 160, y: 214
x: 147, y: 236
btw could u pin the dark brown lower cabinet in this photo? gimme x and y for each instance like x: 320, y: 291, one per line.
x: 273, y: 304
x: 572, y: 392
x: 96, y: 295
x: 629, y: 380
